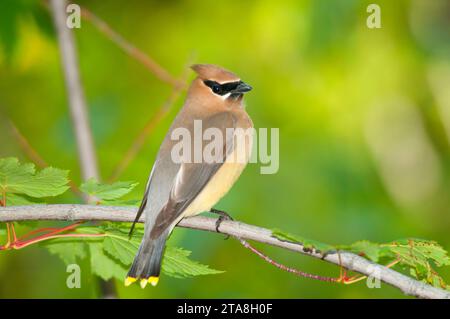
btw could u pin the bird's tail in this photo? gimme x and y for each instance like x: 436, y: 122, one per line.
x: 147, y: 263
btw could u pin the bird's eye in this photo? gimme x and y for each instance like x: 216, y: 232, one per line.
x: 216, y: 88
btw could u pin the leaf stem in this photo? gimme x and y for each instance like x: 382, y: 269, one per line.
x: 356, y: 278
x: 24, y: 244
x: 8, y: 240
x: 297, y: 272
x: 20, y: 243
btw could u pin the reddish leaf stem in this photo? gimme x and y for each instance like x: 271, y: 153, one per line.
x: 20, y: 245
x: 53, y: 233
x: 297, y: 272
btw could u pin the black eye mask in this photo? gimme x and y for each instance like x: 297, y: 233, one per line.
x: 222, y: 89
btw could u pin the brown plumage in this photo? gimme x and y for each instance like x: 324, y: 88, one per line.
x: 176, y: 190
x: 214, y: 73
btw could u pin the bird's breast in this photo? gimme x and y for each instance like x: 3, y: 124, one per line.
x: 224, y: 178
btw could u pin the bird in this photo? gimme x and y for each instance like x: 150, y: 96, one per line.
x: 183, y: 188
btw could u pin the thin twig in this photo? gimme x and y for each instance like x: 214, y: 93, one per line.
x: 139, y: 141
x: 236, y: 229
x: 34, y: 156
x: 130, y: 49
x: 149, y: 127
x: 26, y: 147
x: 78, y: 109
x: 77, y: 104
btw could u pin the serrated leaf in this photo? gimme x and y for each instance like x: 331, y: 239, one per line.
x: 107, y: 192
x: 413, y: 249
x: 22, y: 179
x: 366, y: 248
x: 124, y: 250
x: 107, y: 255
x: 70, y: 251
x: 118, y: 252
x: 177, y: 264
x: 103, y: 265
x: 307, y: 243
x: 18, y: 200
x: 420, y: 255
x: 123, y: 228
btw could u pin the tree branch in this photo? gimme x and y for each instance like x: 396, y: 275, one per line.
x: 350, y: 261
x: 149, y: 127
x: 77, y: 103
x: 34, y: 156
x: 149, y: 63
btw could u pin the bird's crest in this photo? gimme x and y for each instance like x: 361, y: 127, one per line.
x: 214, y: 73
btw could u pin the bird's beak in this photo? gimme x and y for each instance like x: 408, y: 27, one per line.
x: 242, y: 88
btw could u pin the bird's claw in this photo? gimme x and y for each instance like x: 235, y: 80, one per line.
x: 222, y: 216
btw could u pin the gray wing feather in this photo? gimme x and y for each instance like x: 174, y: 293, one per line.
x: 193, y: 177
x: 143, y: 203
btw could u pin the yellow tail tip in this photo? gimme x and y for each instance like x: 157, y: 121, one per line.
x: 129, y: 281
x: 153, y: 280
x: 143, y: 283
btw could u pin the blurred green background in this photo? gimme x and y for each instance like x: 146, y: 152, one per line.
x: 364, y: 119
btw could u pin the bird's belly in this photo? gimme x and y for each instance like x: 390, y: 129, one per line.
x: 220, y: 183
x: 217, y: 187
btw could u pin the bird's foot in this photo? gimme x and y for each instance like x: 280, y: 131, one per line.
x: 222, y: 216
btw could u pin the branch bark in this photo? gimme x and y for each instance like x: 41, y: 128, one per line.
x: 353, y: 262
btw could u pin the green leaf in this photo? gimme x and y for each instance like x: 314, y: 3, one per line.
x: 2, y: 230
x: 112, y: 255
x: 309, y: 244
x: 177, y: 264
x: 119, y: 202
x: 69, y: 250
x: 420, y: 255
x: 18, y: 200
x: 107, y: 192
x: 32, y: 224
x: 372, y: 251
x: 122, y: 249
x: 104, y: 265
x: 22, y: 179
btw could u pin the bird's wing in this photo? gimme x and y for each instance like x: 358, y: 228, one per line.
x: 159, y: 182
x: 143, y: 204
x: 193, y: 177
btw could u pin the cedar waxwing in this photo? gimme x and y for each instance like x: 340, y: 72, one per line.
x: 180, y: 189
